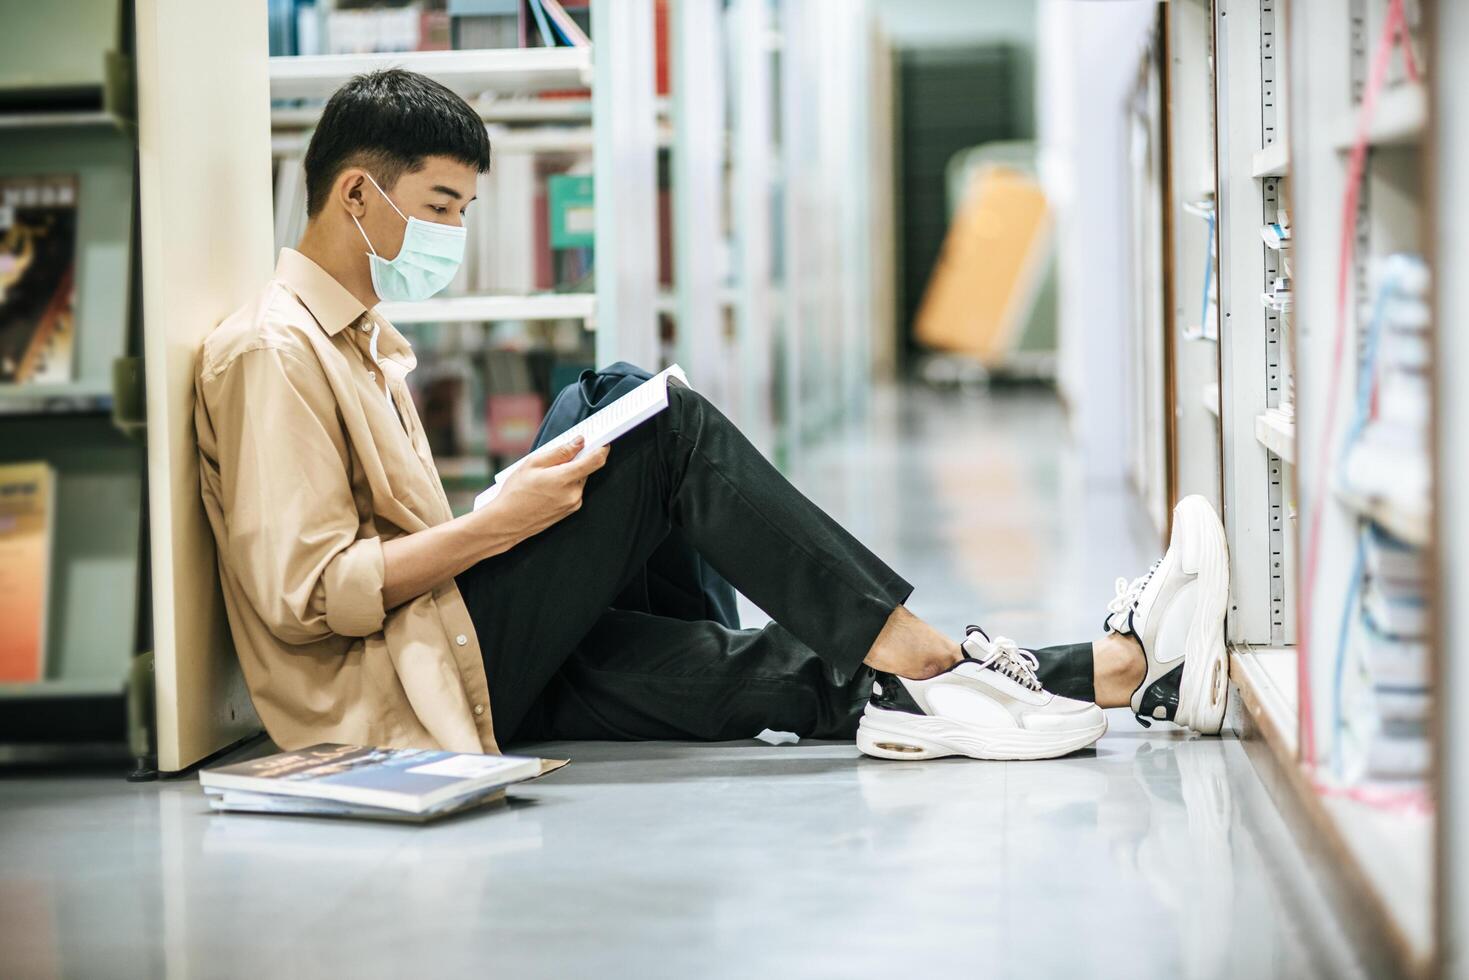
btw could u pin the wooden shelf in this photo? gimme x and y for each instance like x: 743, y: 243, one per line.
x: 1402, y: 114
x: 560, y: 139
x: 490, y: 110
x: 51, y: 120
x: 469, y: 73
x: 472, y: 309
x: 1266, y: 678
x: 64, y: 688
x: 1383, y: 855
x: 1276, y: 431
x: 1273, y: 161
x: 1401, y: 521
x: 76, y: 398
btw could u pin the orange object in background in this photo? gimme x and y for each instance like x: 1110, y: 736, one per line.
x: 26, y: 506
x: 994, y: 257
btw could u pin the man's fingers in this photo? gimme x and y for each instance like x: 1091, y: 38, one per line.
x: 590, y: 463
x: 561, y: 454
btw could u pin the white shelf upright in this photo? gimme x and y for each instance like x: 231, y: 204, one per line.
x: 1251, y: 341
x: 698, y: 108
x: 752, y: 152
x: 1190, y: 179
x: 626, y: 168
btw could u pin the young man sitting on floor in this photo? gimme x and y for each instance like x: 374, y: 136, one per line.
x: 364, y: 612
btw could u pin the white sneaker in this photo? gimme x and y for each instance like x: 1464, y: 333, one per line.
x: 990, y: 705
x: 1176, y: 612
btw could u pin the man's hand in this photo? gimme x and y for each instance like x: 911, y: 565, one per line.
x: 541, y: 491
x: 544, y: 489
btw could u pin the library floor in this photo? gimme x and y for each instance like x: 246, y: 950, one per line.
x: 1156, y: 854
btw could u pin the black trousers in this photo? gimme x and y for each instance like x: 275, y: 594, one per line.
x: 563, y: 663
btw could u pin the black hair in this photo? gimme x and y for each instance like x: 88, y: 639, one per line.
x: 388, y: 121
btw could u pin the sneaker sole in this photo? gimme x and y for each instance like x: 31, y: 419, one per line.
x: 902, y: 735
x: 1204, y: 689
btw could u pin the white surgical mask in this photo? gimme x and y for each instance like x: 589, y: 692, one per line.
x: 427, y: 262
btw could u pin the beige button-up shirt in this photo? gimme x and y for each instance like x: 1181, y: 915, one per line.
x: 306, y: 470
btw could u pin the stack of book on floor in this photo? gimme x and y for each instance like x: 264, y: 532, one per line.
x: 414, y: 785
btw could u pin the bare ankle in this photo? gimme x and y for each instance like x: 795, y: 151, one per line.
x: 1120, y: 667
x: 909, y: 647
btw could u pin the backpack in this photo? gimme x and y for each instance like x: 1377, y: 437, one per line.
x: 677, y: 581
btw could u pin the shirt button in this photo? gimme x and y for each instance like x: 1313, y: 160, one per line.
x: 461, y: 639
x: 366, y: 326
x: 479, y: 709
x: 372, y: 375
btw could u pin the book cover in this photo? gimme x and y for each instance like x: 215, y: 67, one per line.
x: 409, y: 780
x: 26, y: 516
x: 38, y: 236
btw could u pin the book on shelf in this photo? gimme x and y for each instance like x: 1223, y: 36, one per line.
x: 441, y: 390
x: 1395, y: 566
x: 513, y: 405
x: 1389, y: 463
x: 364, y: 781
x: 1394, y: 661
x: 1402, y: 704
x: 1403, y: 616
x: 567, y: 31
x: 27, y: 520
x: 606, y: 424
x: 542, y: 22
x: 1397, y: 754
x: 38, y: 245
x: 476, y: 24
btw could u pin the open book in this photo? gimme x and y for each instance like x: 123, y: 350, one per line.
x: 600, y: 428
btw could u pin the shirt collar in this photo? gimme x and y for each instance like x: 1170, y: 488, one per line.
x: 392, y: 346
x: 328, y: 300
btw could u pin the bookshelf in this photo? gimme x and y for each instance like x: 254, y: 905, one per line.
x: 470, y: 73
x: 1342, y: 718
x: 95, y: 586
x: 469, y: 309
x: 1323, y: 467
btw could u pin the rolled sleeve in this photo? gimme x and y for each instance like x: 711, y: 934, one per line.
x: 352, y: 589
x: 294, y: 539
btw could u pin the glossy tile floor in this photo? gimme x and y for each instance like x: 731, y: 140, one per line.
x: 1154, y: 855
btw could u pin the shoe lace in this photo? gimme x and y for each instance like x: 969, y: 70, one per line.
x: 1006, y: 657
x: 1128, y: 593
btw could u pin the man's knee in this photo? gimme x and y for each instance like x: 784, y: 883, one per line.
x: 687, y: 403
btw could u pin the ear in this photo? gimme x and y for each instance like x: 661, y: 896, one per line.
x: 351, y: 191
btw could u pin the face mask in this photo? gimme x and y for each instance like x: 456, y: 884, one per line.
x: 427, y: 262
